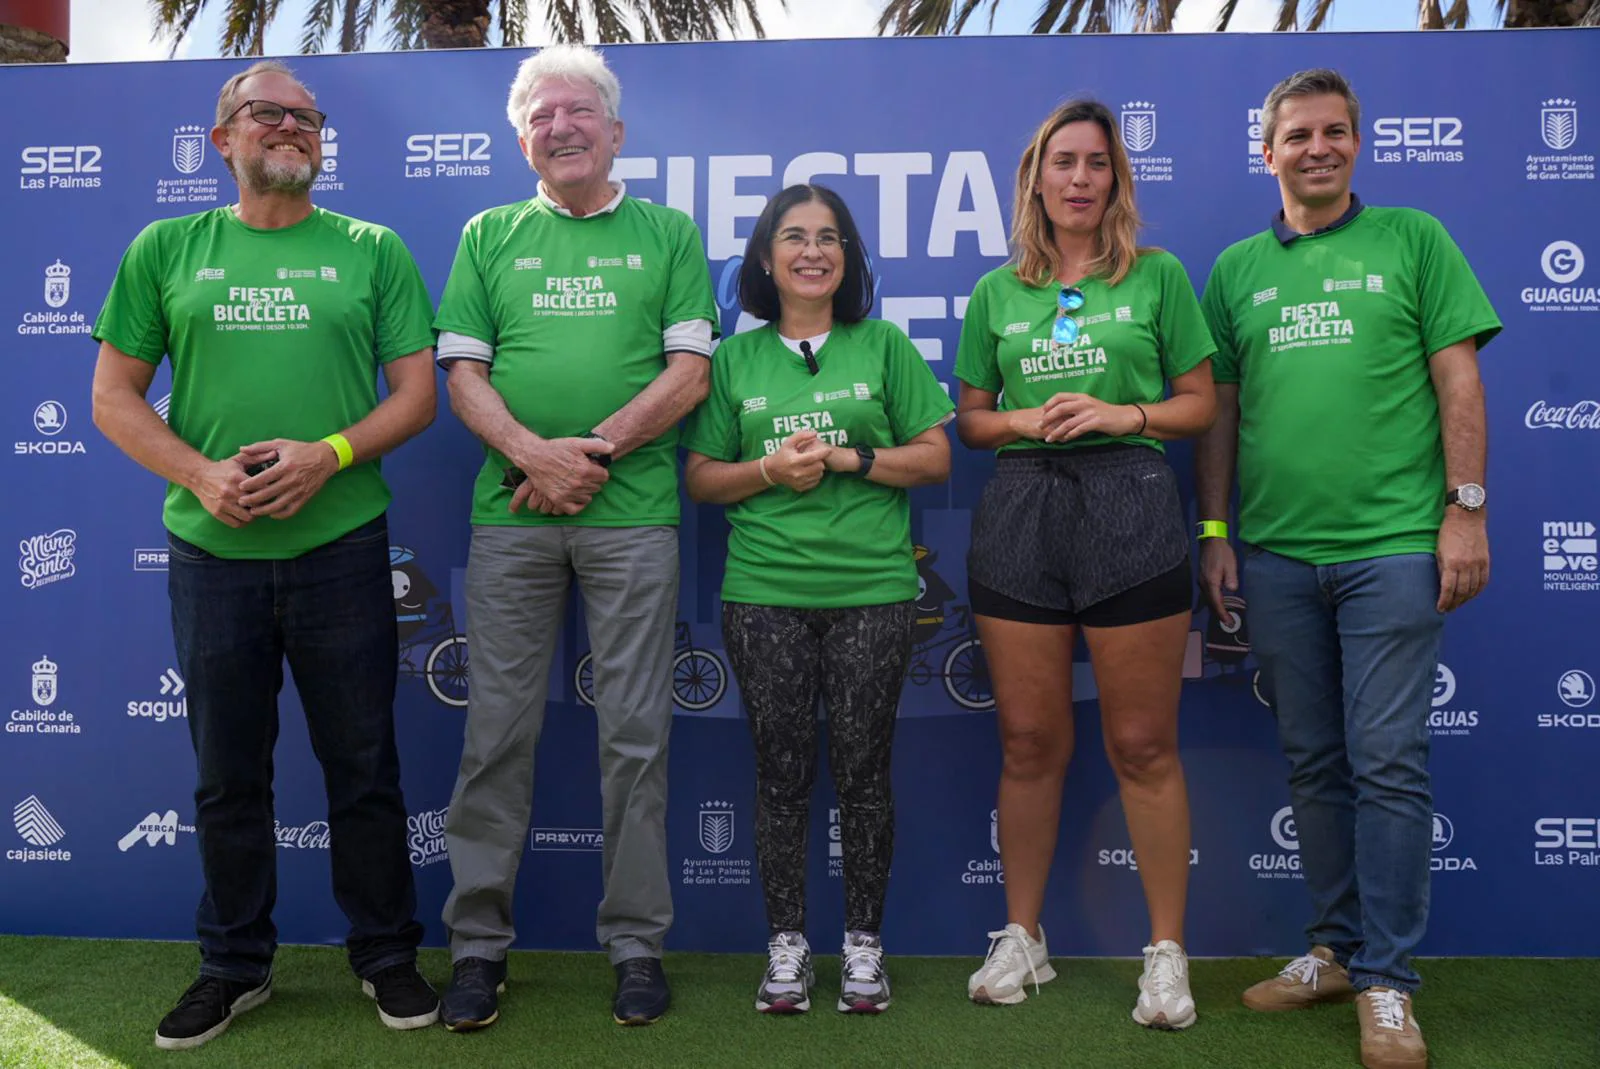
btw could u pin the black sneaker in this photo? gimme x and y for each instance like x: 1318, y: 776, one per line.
x: 405, y: 999
x: 642, y: 995
x: 471, y: 999
x: 207, y: 1008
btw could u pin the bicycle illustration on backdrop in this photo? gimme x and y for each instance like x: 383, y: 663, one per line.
x: 945, y: 645
x: 430, y: 646
x: 699, y: 676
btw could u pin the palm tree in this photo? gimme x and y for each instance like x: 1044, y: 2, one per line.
x: 463, y: 23
x: 927, y: 17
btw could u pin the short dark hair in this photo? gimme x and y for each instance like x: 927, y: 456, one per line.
x: 1319, y: 81
x: 758, y: 295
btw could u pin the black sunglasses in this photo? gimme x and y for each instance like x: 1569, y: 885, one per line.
x: 267, y: 113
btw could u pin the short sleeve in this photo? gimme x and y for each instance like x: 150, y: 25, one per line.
x: 689, y: 294
x: 464, y: 305
x: 1450, y: 301
x: 132, y: 318
x: 1181, y: 327
x: 712, y: 429
x: 404, y: 308
x: 1214, y: 306
x: 915, y: 400
x: 977, y: 361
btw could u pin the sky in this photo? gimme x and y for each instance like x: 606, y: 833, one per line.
x: 116, y: 30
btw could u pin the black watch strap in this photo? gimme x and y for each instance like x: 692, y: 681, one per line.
x: 602, y: 459
x: 867, y: 455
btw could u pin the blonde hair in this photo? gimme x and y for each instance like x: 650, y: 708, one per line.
x: 1033, y: 249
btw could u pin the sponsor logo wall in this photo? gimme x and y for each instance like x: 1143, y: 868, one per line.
x: 96, y: 757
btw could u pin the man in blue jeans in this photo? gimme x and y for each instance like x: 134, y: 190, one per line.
x: 276, y: 317
x: 1348, y: 391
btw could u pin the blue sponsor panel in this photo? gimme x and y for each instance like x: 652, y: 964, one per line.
x: 96, y: 767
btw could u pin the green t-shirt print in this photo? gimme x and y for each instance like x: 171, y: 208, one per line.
x: 575, y: 309
x: 271, y: 334
x: 847, y: 542
x: 1134, y: 337
x: 1329, y: 338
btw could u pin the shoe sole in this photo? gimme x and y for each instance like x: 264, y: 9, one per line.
x: 637, y: 1021
x: 247, y: 1001
x: 400, y: 1024
x: 1281, y: 1007
x: 863, y: 1006
x: 981, y: 996
x: 782, y: 1007
x: 1161, y: 1024
x: 473, y: 1026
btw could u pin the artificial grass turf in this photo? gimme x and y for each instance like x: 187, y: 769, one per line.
x: 67, y: 1002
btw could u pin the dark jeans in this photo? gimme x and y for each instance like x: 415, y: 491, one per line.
x: 331, y: 613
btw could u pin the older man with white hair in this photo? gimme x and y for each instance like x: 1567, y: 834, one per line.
x: 576, y: 329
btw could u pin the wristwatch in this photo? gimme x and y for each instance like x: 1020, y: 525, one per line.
x: 602, y: 459
x: 867, y: 455
x: 1469, y: 496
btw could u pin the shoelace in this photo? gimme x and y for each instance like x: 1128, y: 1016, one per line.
x: 472, y: 974
x: 1164, y: 966
x: 784, y: 961
x: 1306, y: 969
x: 206, y: 991
x: 1004, y: 947
x: 861, y: 962
x: 1389, y: 1007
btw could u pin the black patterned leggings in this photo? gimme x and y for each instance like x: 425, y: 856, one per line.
x: 856, y: 658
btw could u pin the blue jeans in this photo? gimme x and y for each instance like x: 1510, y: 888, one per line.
x: 331, y: 613
x: 1348, y: 654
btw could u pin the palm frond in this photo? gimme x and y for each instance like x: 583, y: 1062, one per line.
x: 319, y: 23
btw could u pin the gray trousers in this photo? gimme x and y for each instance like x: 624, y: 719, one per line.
x: 517, y: 580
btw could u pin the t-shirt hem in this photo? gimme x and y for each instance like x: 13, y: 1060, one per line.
x: 572, y: 521
x: 858, y: 602
x: 1348, y: 554
x: 1491, y: 327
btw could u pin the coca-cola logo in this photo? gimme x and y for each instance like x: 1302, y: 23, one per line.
x: 1578, y: 416
x: 313, y: 836
x: 426, y: 837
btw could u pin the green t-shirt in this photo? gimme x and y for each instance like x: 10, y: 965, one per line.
x: 271, y: 334
x: 846, y: 542
x: 1135, y: 336
x: 1328, y: 338
x: 575, y: 309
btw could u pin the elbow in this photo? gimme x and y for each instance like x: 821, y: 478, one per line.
x: 965, y: 435
x: 697, y: 490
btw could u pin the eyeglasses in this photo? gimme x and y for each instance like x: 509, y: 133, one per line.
x: 1066, y: 330
x: 267, y: 113
x: 795, y: 239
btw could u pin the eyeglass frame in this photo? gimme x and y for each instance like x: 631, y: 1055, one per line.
x: 322, y: 116
x: 799, y: 239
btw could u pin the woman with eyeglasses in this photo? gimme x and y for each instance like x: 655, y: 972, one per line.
x: 1065, y: 360
x: 816, y: 426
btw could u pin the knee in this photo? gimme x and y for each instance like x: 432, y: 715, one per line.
x: 1032, y: 753
x: 1142, y: 756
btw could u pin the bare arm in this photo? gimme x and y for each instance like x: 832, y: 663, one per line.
x: 797, y: 465
x: 980, y: 426
x: 1188, y: 412
x: 922, y: 461
x: 1463, y: 551
x: 126, y: 418
x: 1214, y: 457
x: 672, y: 395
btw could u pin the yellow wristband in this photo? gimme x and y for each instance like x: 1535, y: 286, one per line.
x: 341, y: 447
x: 1211, y: 529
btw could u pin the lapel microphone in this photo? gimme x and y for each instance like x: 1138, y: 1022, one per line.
x: 811, y: 361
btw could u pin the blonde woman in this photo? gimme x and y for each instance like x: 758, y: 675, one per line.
x: 1066, y: 356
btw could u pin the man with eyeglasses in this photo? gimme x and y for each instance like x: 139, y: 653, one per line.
x: 576, y: 328
x: 276, y: 317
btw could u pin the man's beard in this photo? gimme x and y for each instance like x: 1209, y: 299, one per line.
x: 265, y: 174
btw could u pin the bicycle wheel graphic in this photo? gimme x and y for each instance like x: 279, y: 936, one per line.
x: 699, y: 679
x: 583, y: 679
x: 446, y: 670
x: 966, y: 676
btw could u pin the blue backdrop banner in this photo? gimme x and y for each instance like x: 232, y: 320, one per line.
x: 1496, y: 133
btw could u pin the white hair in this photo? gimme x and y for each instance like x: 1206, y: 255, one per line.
x: 574, y: 63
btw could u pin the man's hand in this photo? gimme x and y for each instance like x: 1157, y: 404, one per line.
x: 799, y: 461
x: 1219, y: 571
x: 218, y: 489
x: 301, y: 470
x: 1463, y: 556
x: 561, y: 479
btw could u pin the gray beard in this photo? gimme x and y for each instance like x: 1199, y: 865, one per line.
x: 266, y: 175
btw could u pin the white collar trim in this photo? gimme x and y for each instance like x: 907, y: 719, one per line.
x: 620, y: 188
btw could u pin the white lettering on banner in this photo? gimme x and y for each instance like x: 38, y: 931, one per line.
x: 1254, y: 121
x: 40, y: 830
x: 1558, y: 128
x: 61, y: 167
x: 986, y: 871
x: 1571, y: 841
x: 1125, y: 858
x: 464, y: 155
x: 716, y: 822
x: 1578, y: 416
x: 48, y: 558
x: 566, y: 840
x: 1571, y: 556
x: 313, y: 836
x: 38, y: 718
x: 1284, y: 865
x: 425, y: 836
x: 965, y: 176
x: 1423, y: 139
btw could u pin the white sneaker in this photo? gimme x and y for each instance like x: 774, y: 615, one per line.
x: 1015, y: 958
x: 863, y: 984
x: 786, y: 988
x: 1164, y: 999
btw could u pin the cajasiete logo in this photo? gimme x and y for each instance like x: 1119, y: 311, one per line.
x: 1558, y: 129
x: 39, y: 829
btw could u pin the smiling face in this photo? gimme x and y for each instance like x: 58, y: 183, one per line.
x: 1314, y: 149
x: 281, y: 158
x: 1076, y: 177
x: 807, y: 254
x: 567, y: 136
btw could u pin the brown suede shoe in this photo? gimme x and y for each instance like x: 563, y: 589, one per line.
x: 1308, y: 980
x: 1390, y: 1037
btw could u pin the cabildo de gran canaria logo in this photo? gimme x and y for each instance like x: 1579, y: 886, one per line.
x: 38, y: 719
x: 57, y: 292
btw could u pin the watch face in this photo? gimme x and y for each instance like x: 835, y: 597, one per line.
x: 1471, y: 495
